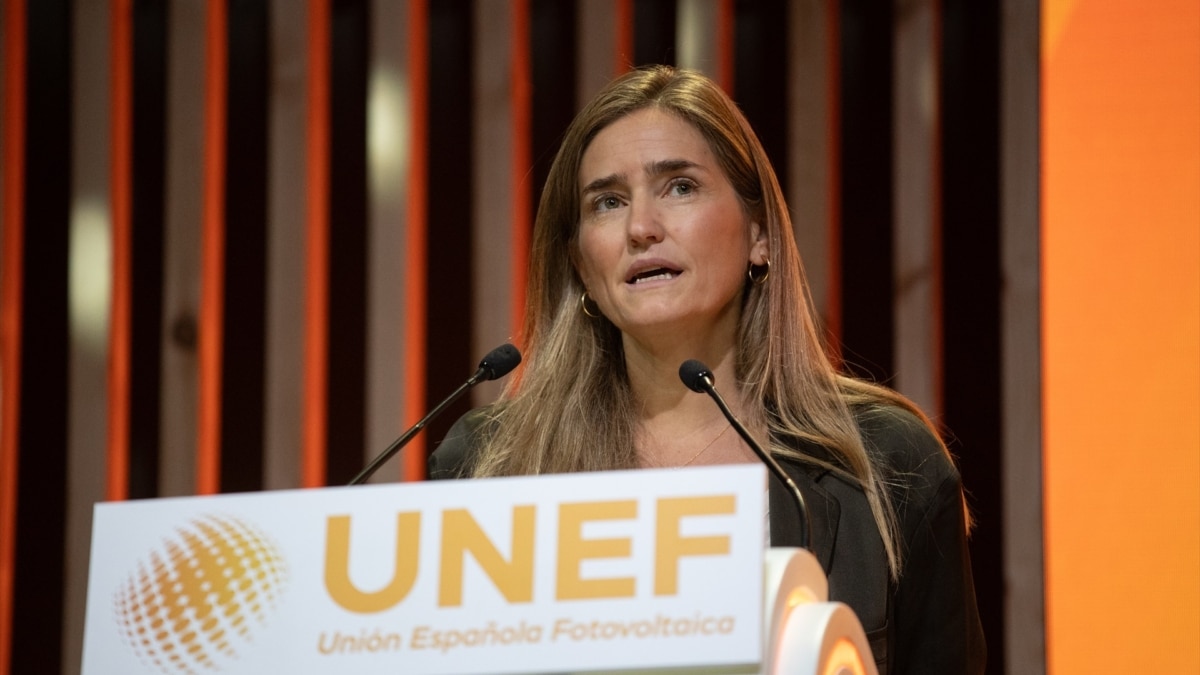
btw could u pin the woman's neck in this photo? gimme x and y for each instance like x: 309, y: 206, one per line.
x: 674, y: 421
x: 654, y: 375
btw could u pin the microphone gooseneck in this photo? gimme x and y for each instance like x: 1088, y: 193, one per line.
x: 697, y: 377
x: 498, y: 363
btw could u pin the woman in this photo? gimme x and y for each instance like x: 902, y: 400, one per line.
x: 662, y: 235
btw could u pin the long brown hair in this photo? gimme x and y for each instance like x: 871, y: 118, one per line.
x: 572, y: 408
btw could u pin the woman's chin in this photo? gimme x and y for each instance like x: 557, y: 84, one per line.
x: 665, y: 331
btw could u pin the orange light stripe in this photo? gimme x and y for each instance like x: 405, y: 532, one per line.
x: 212, y: 293
x: 122, y: 194
x: 416, y: 234
x: 725, y: 46
x: 10, y: 307
x: 623, y: 56
x: 833, y: 94
x: 522, y: 153
x: 316, y: 321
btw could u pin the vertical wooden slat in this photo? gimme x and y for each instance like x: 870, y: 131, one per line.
x: 522, y: 115
x: 122, y: 270
x: 595, y: 34
x: 316, y: 356
x: 208, y: 467
x: 10, y: 312
x: 387, y: 151
x: 1021, y: 357
x: 809, y: 143
x: 416, y: 219
x: 285, y: 248
x: 179, y: 392
x: 90, y: 275
x: 699, y: 39
x: 916, y: 171
x: 492, y: 157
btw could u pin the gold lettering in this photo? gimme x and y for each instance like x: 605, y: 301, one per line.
x: 460, y: 534
x: 671, y: 546
x: 573, y: 549
x: 337, y: 565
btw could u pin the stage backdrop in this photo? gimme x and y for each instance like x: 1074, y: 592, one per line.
x: 247, y: 242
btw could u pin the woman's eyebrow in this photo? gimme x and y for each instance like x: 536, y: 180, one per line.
x: 652, y: 169
x: 659, y: 167
x: 603, y: 183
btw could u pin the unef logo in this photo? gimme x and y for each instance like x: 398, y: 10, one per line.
x: 190, y: 605
x: 462, y: 536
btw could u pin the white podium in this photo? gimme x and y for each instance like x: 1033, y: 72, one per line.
x: 650, y: 571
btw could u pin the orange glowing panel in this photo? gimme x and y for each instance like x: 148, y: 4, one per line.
x: 1121, y: 334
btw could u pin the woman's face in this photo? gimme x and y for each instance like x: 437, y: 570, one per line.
x: 664, y: 242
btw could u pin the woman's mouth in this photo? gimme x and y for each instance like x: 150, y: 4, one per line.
x: 659, y: 274
x: 652, y: 273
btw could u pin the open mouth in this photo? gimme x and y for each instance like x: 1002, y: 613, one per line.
x: 653, y: 274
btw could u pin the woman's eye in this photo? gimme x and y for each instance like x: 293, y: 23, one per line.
x: 606, y: 203
x: 683, y: 187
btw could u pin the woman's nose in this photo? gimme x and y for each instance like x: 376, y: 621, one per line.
x: 645, y: 226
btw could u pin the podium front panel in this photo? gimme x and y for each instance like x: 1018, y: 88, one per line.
x: 643, y: 570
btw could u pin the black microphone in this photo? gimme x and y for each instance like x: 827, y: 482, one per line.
x: 498, y: 363
x: 697, y: 377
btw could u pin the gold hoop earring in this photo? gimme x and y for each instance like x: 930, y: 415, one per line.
x: 583, y: 305
x: 759, y: 273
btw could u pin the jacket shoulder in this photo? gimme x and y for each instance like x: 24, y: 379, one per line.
x: 455, y: 455
x: 911, y: 456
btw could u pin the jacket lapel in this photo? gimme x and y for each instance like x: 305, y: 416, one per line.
x: 823, y: 511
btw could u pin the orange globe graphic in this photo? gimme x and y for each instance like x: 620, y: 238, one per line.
x: 190, y: 606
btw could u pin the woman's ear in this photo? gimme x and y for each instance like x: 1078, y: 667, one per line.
x: 759, y: 250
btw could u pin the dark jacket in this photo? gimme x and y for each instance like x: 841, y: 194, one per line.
x: 927, y: 622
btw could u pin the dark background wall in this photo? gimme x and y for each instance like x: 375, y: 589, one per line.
x: 825, y: 84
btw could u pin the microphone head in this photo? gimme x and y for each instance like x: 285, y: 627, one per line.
x: 499, y: 362
x: 696, y: 376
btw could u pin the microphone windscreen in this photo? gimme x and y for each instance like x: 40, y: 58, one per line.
x: 695, y: 375
x: 500, y: 361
